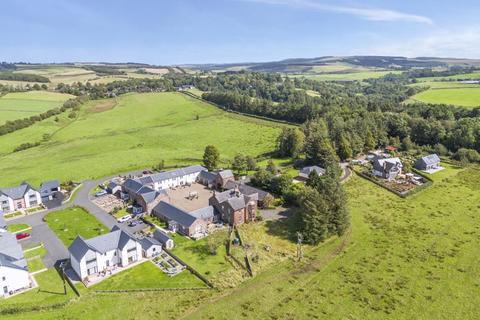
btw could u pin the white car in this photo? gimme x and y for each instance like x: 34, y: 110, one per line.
x: 124, y: 218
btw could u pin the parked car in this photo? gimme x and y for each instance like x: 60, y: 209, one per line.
x: 124, y: 218
x: 135, y: 223
x: 147, y: 172
x: 100, y: 193
x: 21, y: 236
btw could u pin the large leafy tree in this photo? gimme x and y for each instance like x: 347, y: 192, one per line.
x: 211, y: 157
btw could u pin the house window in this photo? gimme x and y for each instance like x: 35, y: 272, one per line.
x: 131, y: 249
x: 154, y: 249
x: 33, y: 196
x: 3, y: 278
x: 5, y: 202
x: 115, y: 253
x: 91, y: 261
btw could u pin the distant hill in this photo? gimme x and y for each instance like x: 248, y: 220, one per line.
x: 332, y: 64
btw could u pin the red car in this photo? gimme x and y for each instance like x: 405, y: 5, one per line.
x: 21, y: 236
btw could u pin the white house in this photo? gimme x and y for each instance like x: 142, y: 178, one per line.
x: 150, y: 247
x: 388, y: 168
x: 21, y: 197
x: 172, y: 179
x: 102, y: 253
x: 13, y: 266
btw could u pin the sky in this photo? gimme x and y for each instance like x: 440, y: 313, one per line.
x: 212, y: 31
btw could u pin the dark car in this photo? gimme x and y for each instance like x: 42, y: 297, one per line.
x: 21, y: 236
x: 134, y: 223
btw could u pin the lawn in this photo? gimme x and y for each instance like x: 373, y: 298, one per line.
x: 49, y: 293
x: 70, y: 223
x: 14, y: 228
x: 148, y: 276
x: 198, y: 255
x: 466, y: 97
x: 19, y: 105
x: 35, y: 264
x: 140, y: 131
x: 38, y: 252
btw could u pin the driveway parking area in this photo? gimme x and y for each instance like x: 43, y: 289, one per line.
x: 190, y: 198
x: 108, y: 202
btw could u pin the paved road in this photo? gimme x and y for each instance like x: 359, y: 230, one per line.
x: 41, y: 233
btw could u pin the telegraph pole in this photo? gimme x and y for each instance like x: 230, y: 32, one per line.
x: 299, y: 246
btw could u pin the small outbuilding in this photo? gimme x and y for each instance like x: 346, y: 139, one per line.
x: 430, y: 162
x: 164, y: 239
x: 151, y: 247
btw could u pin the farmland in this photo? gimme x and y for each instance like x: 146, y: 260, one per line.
x: 20, y: 105
x: 467, y: 97
x: 351, y: 76
x: 164, y: 126
x: 413, y: 258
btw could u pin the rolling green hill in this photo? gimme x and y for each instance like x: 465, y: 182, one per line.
x: 131, y: 132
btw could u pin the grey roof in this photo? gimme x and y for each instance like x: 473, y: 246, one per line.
x: 16, y: 192
x: 236, y: 200
x: 149, y: 195
x: 305, y: 172
x: 225, y: 174
x: 237, y: 203
x: 176, y: 214
x: 157, y: 177
x: 246, y: 189
x: 207, y: 175
x: 203, y: 213
x: 431, y: 159
x: 148, y: 242
x: 11, y: 253
x: 386, y: 164
x: 161, y: 236
x: 112, y: 185
x: 49, y: 187
x: 132, y: 185
x: 116, y: 239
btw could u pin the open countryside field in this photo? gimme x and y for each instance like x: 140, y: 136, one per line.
x: 362, y: 75
x: 414, y: 258
x: 131, y: 132
x: 465, y: 76
x: 19, y: 105
x: 465, y: 97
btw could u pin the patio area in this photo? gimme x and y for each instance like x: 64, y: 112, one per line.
x: 432, y: 171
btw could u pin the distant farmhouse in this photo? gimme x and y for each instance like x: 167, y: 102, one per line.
x: 90, y: 257
x: 305, y: 172
x: 14, y: 275
x: 428, y: 163
x: 388, y: 168
x: 17, y: 198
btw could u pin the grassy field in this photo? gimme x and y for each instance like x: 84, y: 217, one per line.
x: 20, y: 105
x: 148, y: 276
x: 414, y: 258
x: 466, y: 76
x: 70, y: 223
x: 466, y: 97
x: 138, y: 131
x: 362, y: 75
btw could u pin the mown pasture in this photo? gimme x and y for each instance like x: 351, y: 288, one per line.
x: 414, y: 258
x: 134, y: 131
x: 464, y: 96
x: 19, y: 105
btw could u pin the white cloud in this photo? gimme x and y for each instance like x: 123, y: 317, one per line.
x: 372, y: 14
x: 464, y: 43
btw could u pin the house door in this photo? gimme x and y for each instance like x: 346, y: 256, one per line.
x: 92, y: 270
x: 108, y: 263
x: 5, y: 290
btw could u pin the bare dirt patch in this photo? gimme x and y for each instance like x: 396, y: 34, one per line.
x: 103, y: 106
